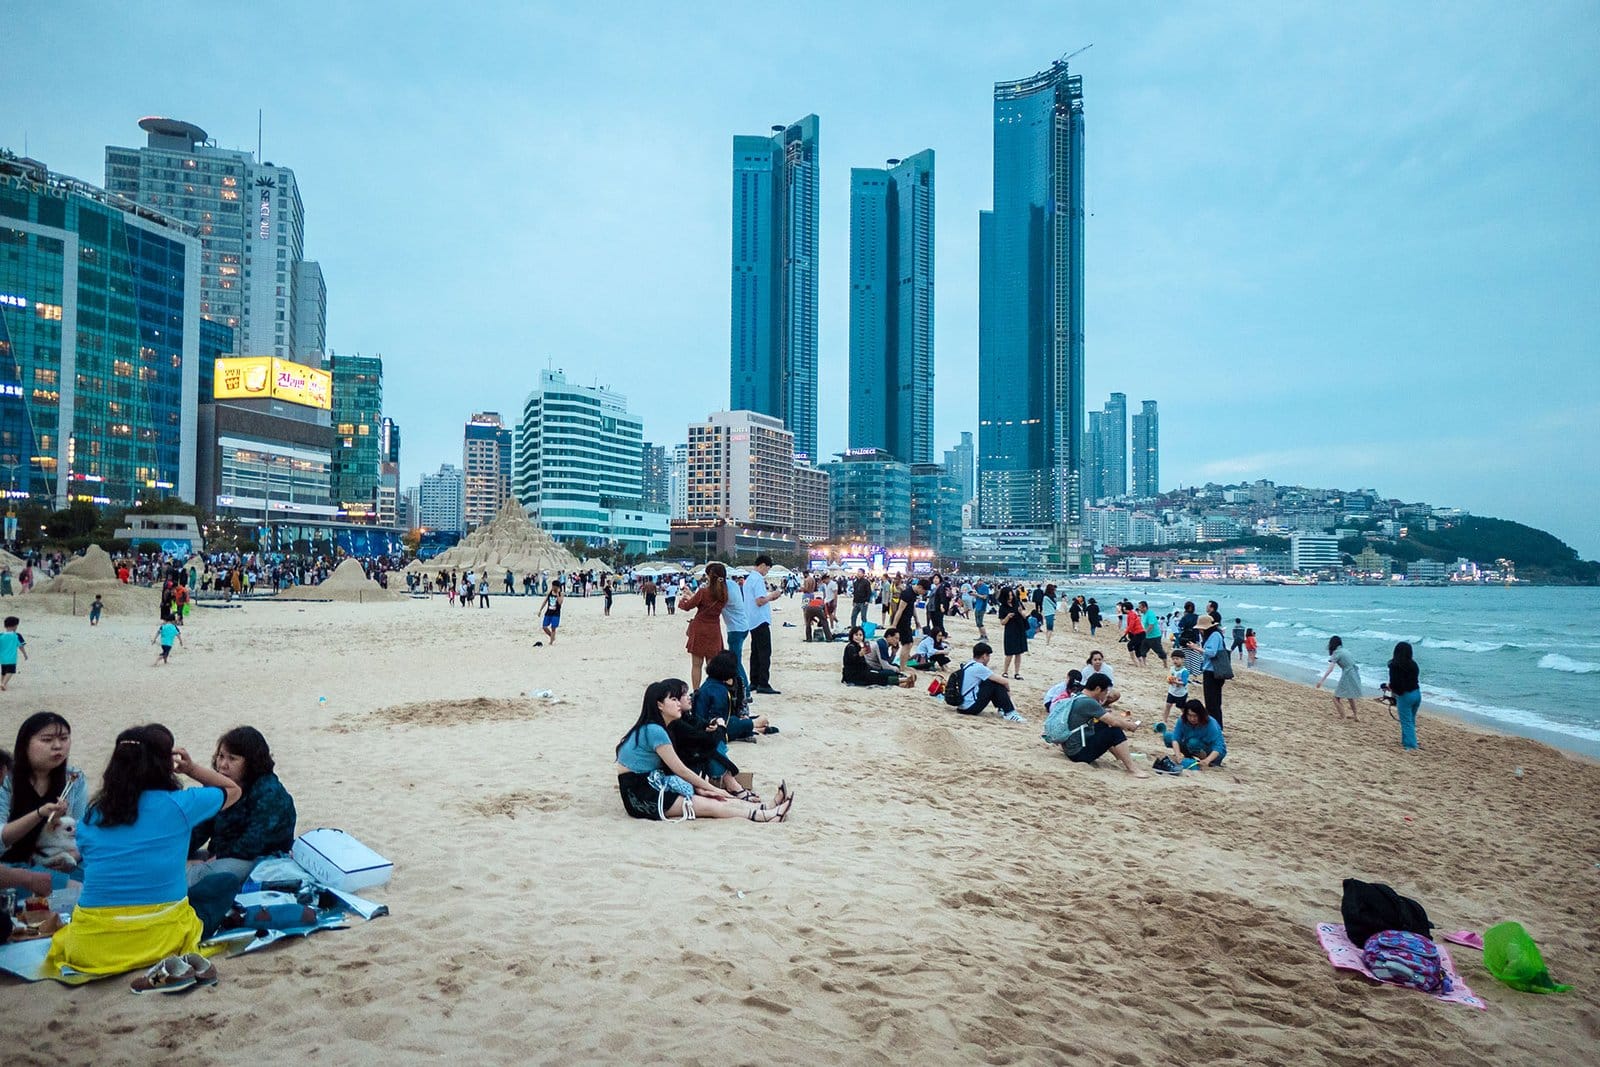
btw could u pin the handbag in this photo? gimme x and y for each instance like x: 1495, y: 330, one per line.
x: 670, y: 783
x: 1222, y: 665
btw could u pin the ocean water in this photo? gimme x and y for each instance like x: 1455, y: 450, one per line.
x: 1525, y: 660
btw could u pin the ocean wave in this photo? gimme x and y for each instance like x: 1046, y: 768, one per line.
x: 1466, y: 646
x: 1276, y: 625
x: 1554, y: 661
x: 1382, y: 635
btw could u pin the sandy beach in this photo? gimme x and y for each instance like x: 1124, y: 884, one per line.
x: 948, y: 890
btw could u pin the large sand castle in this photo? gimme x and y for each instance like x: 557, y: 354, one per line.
x: 511, y: 542
x: 348, y: 583
x: 86, y: 576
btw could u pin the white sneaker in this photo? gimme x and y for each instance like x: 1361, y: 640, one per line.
x: 1012, y: 716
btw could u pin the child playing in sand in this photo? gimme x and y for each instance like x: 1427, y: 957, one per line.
x: 11, y: 645
x: 95, y: 609
x: 1177, y: 688
x: 168, y: 633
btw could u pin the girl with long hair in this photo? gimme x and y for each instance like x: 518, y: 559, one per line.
x: 655, y: 783
x: 41, y: 795
x: 1405, y: 685
x: 705, y: 629
x: 134, y: 909
x: 1349, y: 688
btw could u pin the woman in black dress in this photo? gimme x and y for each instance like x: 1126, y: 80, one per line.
x: 1015, y: 621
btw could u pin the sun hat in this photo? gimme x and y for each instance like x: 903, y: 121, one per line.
x: 1204, y: 622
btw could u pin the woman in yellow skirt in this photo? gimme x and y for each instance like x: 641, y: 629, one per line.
x: 134, y: 910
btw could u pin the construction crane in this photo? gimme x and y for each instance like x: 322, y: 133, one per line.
x: 1080, y: 51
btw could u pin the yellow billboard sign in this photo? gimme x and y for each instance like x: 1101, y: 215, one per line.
x: 260, y: 377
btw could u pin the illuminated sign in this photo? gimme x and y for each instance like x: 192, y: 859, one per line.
x: 259, y: 377
x: 10, y: 390
x: 14, y: 301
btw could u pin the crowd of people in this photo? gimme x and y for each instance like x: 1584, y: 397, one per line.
x: 149, y: 866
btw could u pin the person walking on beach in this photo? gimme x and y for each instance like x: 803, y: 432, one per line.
x: 1250, y: 647
x: 980, y: 607
x: 1405, y: 685
x: 670, y: 595
x: 605, y: 591
x: 736, y: 616
x: 1014, y: 628
x: 648, y: 591
x: 1074, y: 612
x: 860, y: 598
x: 11, y: 646
x: 1047, y: 611
x: 552, y: 611
x: 483, y: 592
x: 1238, y: 638
x: 166, y: 635
x: 758, y: 612
x: 1093, y: 613
x: 1349, y: 687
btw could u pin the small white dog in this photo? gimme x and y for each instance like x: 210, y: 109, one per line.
x: 58, y: 844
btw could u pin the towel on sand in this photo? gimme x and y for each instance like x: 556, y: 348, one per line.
x: 1346, y: 955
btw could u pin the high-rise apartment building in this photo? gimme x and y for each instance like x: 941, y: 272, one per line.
x: 812, y: 505
x: 486, y: 461
x: 1030, y: 308
x: 251, y: 224
x: 960, y: 462
x: 936, y: 509
x: 357, y: 426
x: 657, y: 479
x: 1114, y: 447
x: 310, y: 312
x: 678, y: 481
x: 741, y: 469
x: 773, y: 364
x: 891, y: 308
x: 1091, y: 483
x: 391, y: 512
x: 441, y: 500
x: 578, y: 467
x: 1147, y: 452
x: 100, y: 343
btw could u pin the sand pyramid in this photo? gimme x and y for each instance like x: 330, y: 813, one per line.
x: 87, y: 575
x: 348, y: 582
x: 511, y: 542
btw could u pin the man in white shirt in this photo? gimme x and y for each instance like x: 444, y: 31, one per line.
x: 980, y: 688
x: 758, y: 616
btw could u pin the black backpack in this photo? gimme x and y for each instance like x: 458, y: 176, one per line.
x: 1372, y: 907
x: 953, y: 686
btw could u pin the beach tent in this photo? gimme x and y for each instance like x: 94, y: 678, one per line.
x: 778, y: 570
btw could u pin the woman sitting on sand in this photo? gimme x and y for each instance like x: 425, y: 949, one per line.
x: 1096, y: 664
x: 1197, y: 736
x: 705, y: 629
x: 701, y: 736
x: 654, y: 782
x: 858, y: 668
x: 134, y: 910
x: 227, y: 848
x: 43, y: 799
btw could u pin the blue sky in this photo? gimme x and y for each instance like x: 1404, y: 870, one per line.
x: 1349, y: 244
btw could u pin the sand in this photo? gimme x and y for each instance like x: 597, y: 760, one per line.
x: 511, y: 541
x: 949, y: 890
x: 81, y: 578
x: 347, y: 584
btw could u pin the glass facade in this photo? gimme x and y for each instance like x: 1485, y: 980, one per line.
x: 936, y: 509
x: 357, y: 426
x: 99, y: 343
x: 1147, y: 451
x: 871, y: 497
x: 1030, y: 307
x: 891, y: 308
x: 773, y: 364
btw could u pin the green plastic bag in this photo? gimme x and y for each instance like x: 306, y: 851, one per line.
x: 1511, y: 956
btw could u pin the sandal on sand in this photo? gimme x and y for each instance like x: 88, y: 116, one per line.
x: 205, y: 972
x: 748, y: 796
x: 171, y: 975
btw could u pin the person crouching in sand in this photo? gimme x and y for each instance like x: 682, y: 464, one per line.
x: 655, y: 784
x: 1088, y: 729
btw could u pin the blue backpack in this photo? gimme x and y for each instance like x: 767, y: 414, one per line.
x: 1407, y: 959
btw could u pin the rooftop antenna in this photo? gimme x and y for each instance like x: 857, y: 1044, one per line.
x: 1069, y: 55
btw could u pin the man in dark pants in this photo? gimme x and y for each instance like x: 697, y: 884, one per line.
x: 936, y: 605
x: 860, y: 598
x: 759, y: 617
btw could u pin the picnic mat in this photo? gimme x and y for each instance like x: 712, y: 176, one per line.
x: 1346, y: 955
x: 335, y: 911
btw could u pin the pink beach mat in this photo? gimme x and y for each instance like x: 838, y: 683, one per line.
x: 1346, y: 955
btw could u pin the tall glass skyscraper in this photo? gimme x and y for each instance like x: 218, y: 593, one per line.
x: 891, y: 308
x: 1114, y: 447
x: 1147, y: 452
x: 773, y: 365
x: 1030, y: 308
x: 357, y: 426
x: 100, y: 343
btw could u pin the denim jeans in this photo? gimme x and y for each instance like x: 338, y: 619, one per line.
x: 736, y: 646
x: 1406, y: 705
x: 858, y: 612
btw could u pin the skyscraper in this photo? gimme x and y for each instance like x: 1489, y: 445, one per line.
x: 357, y: 421
x: 891, y: 308
x: 439, y: 500
x: 486, y: 461
x: 100, y: 343
x: 657, y: 479
x: 390, y: 505
x: 310, y: 313
x: 1091, y: 481
x: 773, y: 364
x: 1147, y: 452
x: 251, y: 225
x: 1030, y: 308
x: 959, y: 462
x: 1114, y: 447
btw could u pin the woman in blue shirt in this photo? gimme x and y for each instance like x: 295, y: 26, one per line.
x: 1197, y: 736
x: 134, y: 910
x: 1210, y: 647
x: 652, y: 779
